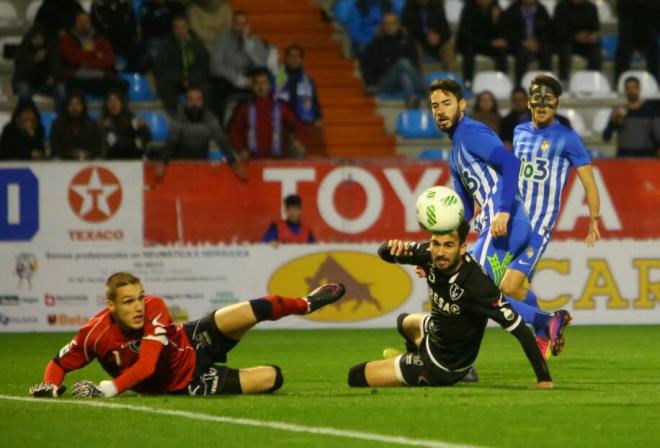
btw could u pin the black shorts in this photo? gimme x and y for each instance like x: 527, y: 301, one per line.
x: 210, y: 343
x: 420, y: 369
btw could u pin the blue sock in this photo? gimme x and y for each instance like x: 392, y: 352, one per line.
x: 530, y: 299
x: 531, y: 315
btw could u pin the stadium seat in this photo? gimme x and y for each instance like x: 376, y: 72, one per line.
x: 390, y: 95
x: 95, y: 115
x: 435, y: 154
x: 590, y: 83
x: 595, y: 153
x: 497, y: 82
x: 577, y: 122
x: 601, y: 119
x: 32, y: 9
x: 86, y: 5
x: 608, y: 45
x: 8, y: 45
x: 605, y: 14
x: 8, y: 14
x: 157, y: 124
x: 648, y: 84
x: 138, y: 87
x: 453, y: 8
x: 397, y: 6
x: 341, y: 10
x: 47, y: 119
x: 5, y: 117
x: 412, y: 124
x: 550, y: 6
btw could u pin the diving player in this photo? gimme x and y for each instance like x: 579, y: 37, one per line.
x: 442, y: 346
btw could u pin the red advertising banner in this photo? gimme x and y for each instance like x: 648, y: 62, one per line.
x: 199, y: 203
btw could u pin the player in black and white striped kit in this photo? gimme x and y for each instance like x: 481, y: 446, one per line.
x: 443, y: 345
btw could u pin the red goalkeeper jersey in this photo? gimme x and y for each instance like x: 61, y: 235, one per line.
x: 157, y: 359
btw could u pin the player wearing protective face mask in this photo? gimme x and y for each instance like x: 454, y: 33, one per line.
x: 547, y: 151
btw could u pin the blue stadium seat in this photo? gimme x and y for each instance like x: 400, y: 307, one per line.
x: 428, y: 79
x: 608, y: 44
x: 47, y: 118
x: 138, y: 87
x: 157, y: 124
x: 390, y: 95
x: 95, y: 115
x: 595, y: 153
x: 342, y: 10
x: 435, y: 154
x: 416, y: 124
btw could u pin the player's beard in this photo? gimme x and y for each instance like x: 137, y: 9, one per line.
x: 451, y: 267
x: 451, y: 120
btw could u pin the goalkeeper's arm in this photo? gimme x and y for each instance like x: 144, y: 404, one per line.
x: 51, y: 386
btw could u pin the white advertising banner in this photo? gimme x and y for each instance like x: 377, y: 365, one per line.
x: 78, y: 203
x: 55, y: 288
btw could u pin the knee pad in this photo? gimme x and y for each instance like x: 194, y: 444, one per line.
x: 357, y: 376
x: 279, y: 380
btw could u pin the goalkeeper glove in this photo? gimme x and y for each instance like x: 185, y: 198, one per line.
x: 47, y: 390
x: 87, y: 389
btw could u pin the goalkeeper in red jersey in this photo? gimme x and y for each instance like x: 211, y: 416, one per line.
x: 138, y: 345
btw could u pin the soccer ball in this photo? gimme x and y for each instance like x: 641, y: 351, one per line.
x: 439, y: 209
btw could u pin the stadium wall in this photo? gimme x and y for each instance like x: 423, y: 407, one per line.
x: 64, y: 227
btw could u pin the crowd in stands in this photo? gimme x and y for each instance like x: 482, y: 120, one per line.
x: 224, y: 86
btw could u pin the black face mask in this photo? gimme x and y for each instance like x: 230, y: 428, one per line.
x: 542, y: 96
x: 194, y: 114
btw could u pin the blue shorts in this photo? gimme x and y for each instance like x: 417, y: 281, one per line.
x: 526, y: 262
x: 496, y: 255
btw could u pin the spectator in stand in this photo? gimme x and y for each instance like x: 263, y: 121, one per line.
x: 235, y: 54
x: 638, y: 30
x: 88, y: 59
x: 391, y: 62
x: 124, y: 135
x: 426, y: 22
x: 156, y: 26
x: 295, y: 87
x: 262, y: 126
x: 479, y: 32
x: 290, y: 229
x: 37, y: 67
x: 519, y: 114
x: 116, y: 21
x: 364, y: 19
x: 23, y: 137
x: 485, y: 110
x: 636, y: 125
x: 182, y: 62
x: 192, y: 131
x: 577, y: 30
x: 527, y: 27
x: 209, y: 19
x: 75, y: 136
x: 57, y: 16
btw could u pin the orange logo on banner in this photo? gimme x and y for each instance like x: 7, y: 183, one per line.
x: 373, y: 287
x: 95, y: 194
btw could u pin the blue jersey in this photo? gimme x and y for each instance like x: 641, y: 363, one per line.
x: 473, y: 145
x: 546, y: 155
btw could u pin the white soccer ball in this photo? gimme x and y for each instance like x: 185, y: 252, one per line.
x: 439, y: 209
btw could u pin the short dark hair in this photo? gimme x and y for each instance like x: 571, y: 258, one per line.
x: 239, y: 12
x: 292, y: 200
x: 116, y: 281
x: 294, y: 47
x: 463, y: 229
x: 519, y: 89
x: 447, y: 86
x: 634, y: 79
x: 258, y: 71
x: 548, y: 81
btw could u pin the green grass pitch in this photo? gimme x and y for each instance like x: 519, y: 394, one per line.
x: 607, y: 394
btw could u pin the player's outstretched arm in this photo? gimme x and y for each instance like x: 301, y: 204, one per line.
x: 586, y: 175
x: 404, y: 252
x: 47, y: 390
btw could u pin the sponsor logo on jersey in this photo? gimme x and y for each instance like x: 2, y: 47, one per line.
x: 455, y: 292
x: 373, y: 288
x: 530, y: 252
x: 545, y: 145
x: 95, y: 194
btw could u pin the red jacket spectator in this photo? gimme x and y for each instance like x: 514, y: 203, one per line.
x: 82, y: 50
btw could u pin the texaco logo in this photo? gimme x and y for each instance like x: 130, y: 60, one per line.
x: 95, y: 194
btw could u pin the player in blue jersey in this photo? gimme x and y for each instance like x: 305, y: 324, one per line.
x: 485, y: 174
x: 547, y: 151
